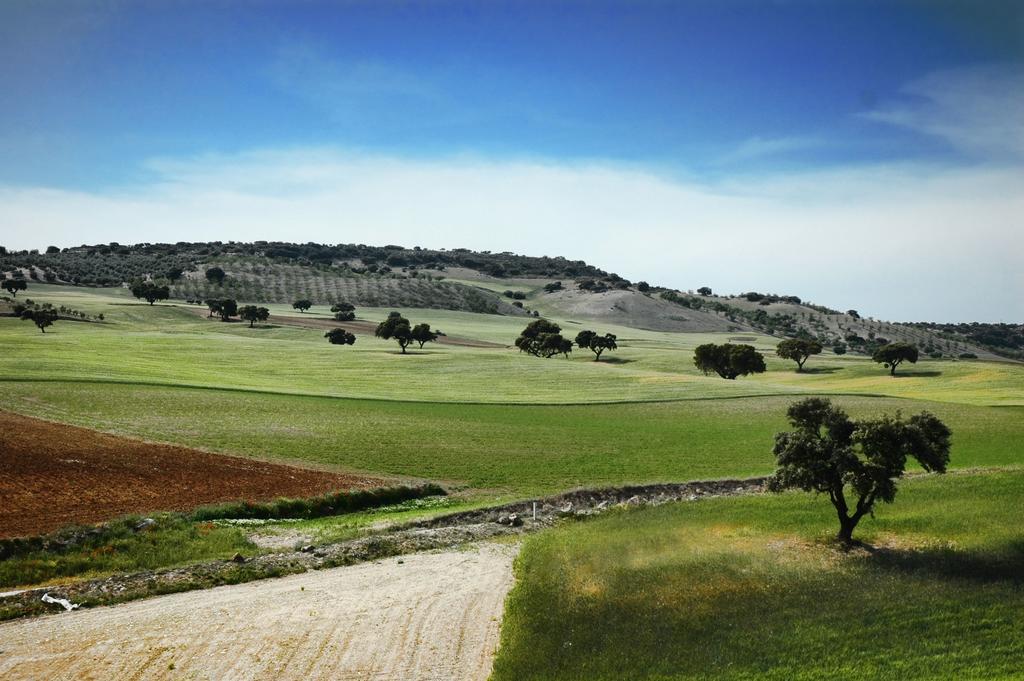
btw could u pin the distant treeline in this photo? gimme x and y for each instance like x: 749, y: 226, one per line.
x: 113, y: 263
x: 1003, y: 339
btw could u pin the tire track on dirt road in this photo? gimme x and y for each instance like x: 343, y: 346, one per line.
x: 431, y: 616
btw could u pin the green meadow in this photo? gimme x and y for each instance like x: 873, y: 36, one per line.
x: 751, y: 588
x: 737, y: 588
x: 487, y: 418
x: 170, y: 345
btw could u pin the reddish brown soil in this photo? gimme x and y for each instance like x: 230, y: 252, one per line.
x: 52, y: 475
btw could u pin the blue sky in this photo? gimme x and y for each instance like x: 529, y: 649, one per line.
x: 642, y: 136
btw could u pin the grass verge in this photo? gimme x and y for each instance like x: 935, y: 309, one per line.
x: 751, y: 588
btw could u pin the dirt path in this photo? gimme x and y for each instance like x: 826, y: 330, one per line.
x: 433, y: 616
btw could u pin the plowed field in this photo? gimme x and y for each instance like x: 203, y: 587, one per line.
x: 52, y: 475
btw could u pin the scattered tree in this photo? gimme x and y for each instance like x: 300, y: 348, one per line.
x: 853, y: 313
x: 643, y: 286
x: 839, y: 349
x: 228, y: 308
x: 41, y: 317
x: 894, y: 354
x: 395, y: 326
x: 215, y: 275
x: 150, y: 291
x: 213, y: 305
x: 704, y: 290
x: 12, y: 286
x: 302, y: 305
x: 595, y: 343
x: 340, y: 337
x: 344, y: 312
x: 798, y: 350
x: 542, y: 338
x: 828, y: 453
x: 50, y: 250
x: 728, y: 360
x: 552, y: 287
x: 421, y: 333
x: 253, y: 314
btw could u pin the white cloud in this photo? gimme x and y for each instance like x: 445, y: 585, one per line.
x: 898, y: 241
x: 978, y: 110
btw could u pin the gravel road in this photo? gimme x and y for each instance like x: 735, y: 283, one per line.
x: 430, y: 616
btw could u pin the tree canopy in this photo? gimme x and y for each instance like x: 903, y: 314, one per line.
x: 302, y: 305
x: 894, y: 354
x: 591, y: 340
x: 215, y: 275
x: 225, y: 308
x: 42, y: 317
x: 150, y: 291
x: 397, y: 327
x: 253, y: 314
x: 344, y: 312
x: 12, y: 286
x: 704, y: 290
x: 828, y: 453
x: 421, y: 333
x: 340, y: 337
x: 728, y: 360
x: 798, y: 350
x: 543, y: 338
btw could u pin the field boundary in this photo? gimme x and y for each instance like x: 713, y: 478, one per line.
x: 444, y: 531
x: 663, y: 400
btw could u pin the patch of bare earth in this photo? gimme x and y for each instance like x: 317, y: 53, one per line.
x: 430, y: 616
x: 53, y: 475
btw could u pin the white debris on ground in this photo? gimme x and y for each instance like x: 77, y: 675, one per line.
x: 65, y: 603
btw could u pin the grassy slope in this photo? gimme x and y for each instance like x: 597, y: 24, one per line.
x: 169, y: 345
x: 746, y: 588
x: 516, y: 449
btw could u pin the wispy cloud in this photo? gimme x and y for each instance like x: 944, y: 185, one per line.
x: 977, y: 110
x: 757, y: 148
x: 900, y: 241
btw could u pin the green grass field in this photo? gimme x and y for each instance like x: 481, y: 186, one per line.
x: 725, y: 588
x: 750, y: 589
x: 483, y: 417
x: 508, y: 449
x: 169, y: 345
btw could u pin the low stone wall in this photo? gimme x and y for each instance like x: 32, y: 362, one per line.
x: 440, y: 532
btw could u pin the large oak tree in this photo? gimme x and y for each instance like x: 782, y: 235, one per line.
x: 828, y: 453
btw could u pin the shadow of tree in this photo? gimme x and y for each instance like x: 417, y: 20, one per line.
x: 616, y: 360
x: 822, y: 370
x: 917, y: 374
x: 1003, y: 565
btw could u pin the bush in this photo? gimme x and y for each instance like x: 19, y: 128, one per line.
x: 317, y: 507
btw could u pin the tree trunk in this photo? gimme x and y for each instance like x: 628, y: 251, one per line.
x: 846, y: 527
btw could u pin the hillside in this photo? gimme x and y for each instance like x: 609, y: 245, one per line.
x: 485, y: 282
